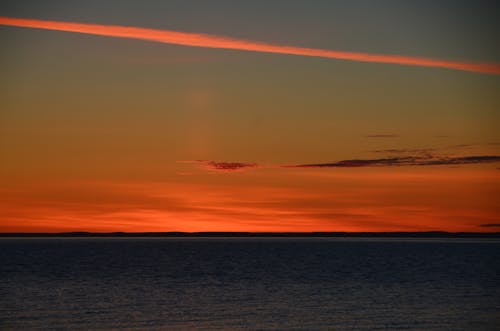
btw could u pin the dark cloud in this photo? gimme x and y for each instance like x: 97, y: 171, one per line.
x: 401, y: 161
x: 225, y: 166
x: 418, y: 151
x: 382, y: 136
x: 490, y: 225
x: 462, y: 160
x: 415, y: 160
x: 428, y: 150
x: 357, y: 163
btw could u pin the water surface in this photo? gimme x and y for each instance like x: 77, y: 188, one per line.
x: 249, y: 283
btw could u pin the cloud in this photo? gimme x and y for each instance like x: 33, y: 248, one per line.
x: 428, y: 151
x: 402, y: 161
x: 382, y: 136
x: 355, y: 163
x: 211, y: 41
x: 462, y: 160
x: 419, y: 160
x: 412, y: 151
x: 223, y: 166
x: 490, y: 225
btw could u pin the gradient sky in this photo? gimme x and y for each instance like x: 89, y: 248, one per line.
x: 111, y: 134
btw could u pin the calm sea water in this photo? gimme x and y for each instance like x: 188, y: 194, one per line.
x: 249, y: 283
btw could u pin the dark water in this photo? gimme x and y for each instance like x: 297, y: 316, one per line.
x: 250, y: 283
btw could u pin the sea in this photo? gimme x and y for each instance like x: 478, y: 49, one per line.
x: 249, y: 284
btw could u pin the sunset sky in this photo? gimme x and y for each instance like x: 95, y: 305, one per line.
x: 286, y: 115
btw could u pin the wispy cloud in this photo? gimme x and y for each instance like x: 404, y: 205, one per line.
x: 402, y: 161
x: 211, y: 41
x: 462, y: 160
x: 355, y: 163
x: 432, y: 151
x: 406, y: 151
x: 490, y: 225
x: 417, y: 160
x: 223, y: 166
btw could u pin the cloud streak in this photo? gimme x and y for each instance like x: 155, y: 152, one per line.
x: 223, y: 166
x: 212, y: 41
x: 417, y: 151
x: 402, y: 161
x: 426, y: 160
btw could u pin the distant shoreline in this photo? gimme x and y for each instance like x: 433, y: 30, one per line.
x: 434, y: 234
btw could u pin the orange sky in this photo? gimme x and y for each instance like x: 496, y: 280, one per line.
x: 103, y: 130
x: 296, y: 200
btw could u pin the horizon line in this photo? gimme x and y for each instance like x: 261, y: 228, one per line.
x: 201, y: 234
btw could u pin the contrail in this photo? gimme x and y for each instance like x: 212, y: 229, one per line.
x: 211, y: 41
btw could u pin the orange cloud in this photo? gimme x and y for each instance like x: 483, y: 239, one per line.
x: 210, y: 41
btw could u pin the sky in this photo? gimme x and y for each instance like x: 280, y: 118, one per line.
x: 249, y: 116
